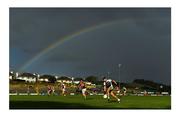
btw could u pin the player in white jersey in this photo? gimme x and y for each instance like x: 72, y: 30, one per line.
x: 63, y: 86
x: 124, y: 91
x: 109, y: 89
x: 104, y: 87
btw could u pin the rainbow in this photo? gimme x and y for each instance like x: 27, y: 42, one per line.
x: 62, y: 40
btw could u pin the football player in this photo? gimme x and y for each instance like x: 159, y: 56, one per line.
x: 83, y: 88
x: 109, y: 89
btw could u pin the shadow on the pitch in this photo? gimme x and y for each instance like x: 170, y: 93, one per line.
x: 62, y: 105
x: 112, y: 101
x: 89, y: 99
x: 46, y: 105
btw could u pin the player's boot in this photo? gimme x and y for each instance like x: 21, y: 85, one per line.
x: 108, y: 98
x: 119, y: 100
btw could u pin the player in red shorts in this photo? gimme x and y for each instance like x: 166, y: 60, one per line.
x: 83, y: 88
x: 49, y: 90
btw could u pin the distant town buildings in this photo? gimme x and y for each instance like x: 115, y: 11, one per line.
x: 32, y: 78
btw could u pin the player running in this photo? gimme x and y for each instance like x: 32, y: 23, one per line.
x: 104, y: 87
x: 49, y: 90
x: 83, y: 88
x: 124, y: 91
x: 109, y: 88
x: 63, y: 86
x: 53, y: 90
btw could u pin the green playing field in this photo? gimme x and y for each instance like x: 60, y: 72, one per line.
x: 92, y: 102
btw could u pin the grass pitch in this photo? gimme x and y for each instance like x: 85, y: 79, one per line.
x: 92, y: 102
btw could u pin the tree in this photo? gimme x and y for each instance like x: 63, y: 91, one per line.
x: 51, y: 78
x: 92, y: 79
x: 78, y: 79
x: 27, y: 75
x: 64, y: 78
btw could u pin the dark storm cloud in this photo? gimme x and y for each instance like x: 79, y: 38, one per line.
x: 140, y: 41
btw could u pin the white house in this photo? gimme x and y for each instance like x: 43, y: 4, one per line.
x: 43, y: 80
x: 27, y: 77
x: 11, y: 75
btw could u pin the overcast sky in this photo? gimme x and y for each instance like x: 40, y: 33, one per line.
x: 139, y: 39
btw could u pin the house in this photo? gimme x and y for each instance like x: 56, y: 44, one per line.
x: 11, y: 75
x: 87, y: 83
x: 64, y: 79
x: 27, y: 77
x: 47, y: 78
x: 43, y: 79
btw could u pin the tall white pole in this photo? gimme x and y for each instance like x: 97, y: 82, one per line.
x: 108, y: 75
x: 119, y: 65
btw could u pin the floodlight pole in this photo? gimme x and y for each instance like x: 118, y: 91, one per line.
x: 108, y: 75
x: 72, y: 81
x: 119, y: 66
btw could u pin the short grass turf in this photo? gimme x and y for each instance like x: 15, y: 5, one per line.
x: 92, y: 102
